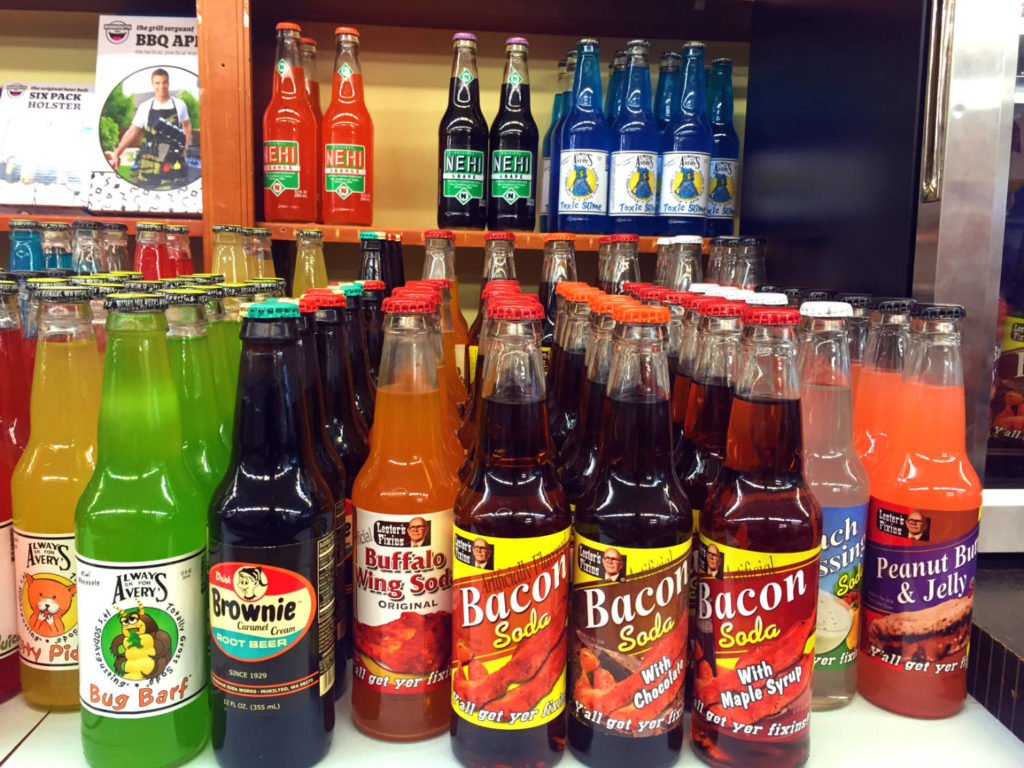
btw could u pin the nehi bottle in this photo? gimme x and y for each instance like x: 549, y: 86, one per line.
x: 462, y: 144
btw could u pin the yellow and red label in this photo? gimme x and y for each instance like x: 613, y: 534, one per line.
x: 510, y: 607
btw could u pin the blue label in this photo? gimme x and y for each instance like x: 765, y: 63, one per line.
x: 839, y: 582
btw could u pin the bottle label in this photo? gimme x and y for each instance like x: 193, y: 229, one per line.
x: 462, y: 177
x: 754, y: 649
x: 144, y: 627
x: 510, y: 603
x: 403, y: 576
x: 725, y: 176
x: 511, y: 175
x: 280, y: 166
x: 684, y: 184
x: 628, y: 660
x: 272, y: 628
x: 474, y: 352
x: 839, y: 579
x: 466, y: 76
x: 1007, y: 408
x: 634, y: 179
x: 8, y: 611
x: 47, y: 599
x: 583, y: 181
x: 344, y: 169
x: 919, y: 587
x: 349, y: 519
x: 543, y: 183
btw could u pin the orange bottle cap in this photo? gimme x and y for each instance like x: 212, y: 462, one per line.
x: 288, y: 25
x: 346, y: 31
x: 499, y: 236
x: 643, y: 313
x: 560, y: 236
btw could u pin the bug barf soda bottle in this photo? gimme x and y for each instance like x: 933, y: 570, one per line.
x: 631, y: 566
x: 404, y: 497
x: 290, y: 144
x: 511, y: 565
x: 757, y: 567
x: 272, y: 544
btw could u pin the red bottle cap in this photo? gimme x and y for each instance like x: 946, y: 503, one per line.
x: 520, y: 310
x: 643, y: 313
x: 634, y: 287
x: 604, y: 240
x: 560, y: 236
x: 652, y: 293
x: 288, y: 25
x: 408, y: 305
x: 494, y: 287
x: 346, y: 31
x: 374, y: 285
x: 440, y: 282
x: 672, y: 297
x: 724, y: 309
x: 422, y: 292
x: 328, y: 299
x: 442, y: 234
x: 307, y: 40
x: 624, y: 238
x: 703, y: 301
x: 500, y: 236
x: 771, y: 316
x: 307, y: 305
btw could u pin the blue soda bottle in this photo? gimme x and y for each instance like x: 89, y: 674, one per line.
x: 686, y: 154
x: 26, y: 254
x: 632, y: 206
x: 616, y: 69
x: 586, y: 139
x: 725, y: 156
x: 551, y: 175
x: 544, y: 178
x: 666, y: 96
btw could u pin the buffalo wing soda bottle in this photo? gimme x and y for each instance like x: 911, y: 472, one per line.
x: 584, y: 147
x: 347, y: 130
x: 142, y: 597
x: 725, y: 154
x: 922, y: 535
x: 272, y: 562
x: 462, y: 144
x: 511, y: 565
x: 404, y: 496
x: 290, y: 143
x: 512, y: 203
x: 558, y: 109
x: 633, y: 176
x: 686, y: 146
x: 757, y: 567
x: 631, y: 566
x: 839, y: 483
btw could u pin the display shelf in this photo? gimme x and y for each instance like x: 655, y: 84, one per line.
x: 195, y: 226
x: 860, y: 734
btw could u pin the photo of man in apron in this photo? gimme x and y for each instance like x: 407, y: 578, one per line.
x: 166, y: 132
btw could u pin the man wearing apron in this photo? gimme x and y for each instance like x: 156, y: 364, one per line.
x: 166, y: 132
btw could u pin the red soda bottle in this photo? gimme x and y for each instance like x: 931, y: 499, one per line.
x: 152, y: 258
x: 15, y: 374
x: 12, y: 386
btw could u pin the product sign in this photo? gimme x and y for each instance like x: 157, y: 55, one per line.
x: 47, y: 600
x: 344, y: 169
x: 725, y: 176
x: 684, y: 183
x: 511, y: 175
x: 634, y: 180
x: 462, y: 175
x: 583, y: 182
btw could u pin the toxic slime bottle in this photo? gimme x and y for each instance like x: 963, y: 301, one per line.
x: 723, y: 183
x: 544, y: 175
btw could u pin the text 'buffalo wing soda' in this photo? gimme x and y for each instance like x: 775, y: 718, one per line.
x: 922, y: 535
x: 272, y: 558
x: 631, y: 566
x: 757, y: 567
x: 347, y: 131
x: 511, y: 565
x: 140, y: 535
x: 404, y: 497
x: 290, y: 144
x: 53, y: 470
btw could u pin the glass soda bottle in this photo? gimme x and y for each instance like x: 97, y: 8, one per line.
x: 725, y: 154
x: 115, y: 245
x: 686, y: 146
x: 290, y: 145
x: 666, y: 95
x: 544, y: 176
x: 633, y: 181
x: 272, y: 549
x: 15, y: 374
x: 229, y: 257
x: 586, y: 142
x: 564, y: 405
x: 559, y: 265
x: 371, y: 262
x: 57, y: 245
x: 512, y: 201
x: 310, y: 268
x: 404, y: 496
x: 683, y: 267
x: 525, y: 551
x: 347, y: 139
x: 922, y: 534
x: 87, y: 256
x: 47, y: 481
x: 439, y: 262
x: 757, y: 567
x: 262, y: 252
x: 499, y: 264
x: 217, y: 329
x: 372, y: 325
x: 616, y: 79
x: 363, y: 391
x: 633, y: 534
x: 307, y: 59
x: 462, y: 144
x: 151, y: 256
x: 142, y: 597
x: 554, y: 173
x: 857, y: 330
x: 179, y: 250
x: 26, y: 249
x: 623, y: 265
x: 838, y: 481
x: 456, y: 387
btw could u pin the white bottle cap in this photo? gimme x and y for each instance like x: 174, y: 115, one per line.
x: 826, y: 309
x: 768, y: 300
x: 702, y: 288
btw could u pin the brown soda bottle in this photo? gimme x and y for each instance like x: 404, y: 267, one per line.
x: 499, y: 264
x: 372, y: 324
x: 511, y: 564
x: 674, y: 301
x: 555, y: 351
x: 472, y: 350
x: 631, y: 567
x: 757, y: 567
x: 686, y: 359
x: 559, y: 265
x: 568, y: 379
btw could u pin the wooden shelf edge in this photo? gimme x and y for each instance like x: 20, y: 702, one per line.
x: 195, y: 226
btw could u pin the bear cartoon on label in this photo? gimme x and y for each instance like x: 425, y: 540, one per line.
x: 50, y: 600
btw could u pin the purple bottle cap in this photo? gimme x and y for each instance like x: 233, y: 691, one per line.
x: 517, y: 41
x: 464, y: 36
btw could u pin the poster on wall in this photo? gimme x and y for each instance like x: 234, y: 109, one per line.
x: 146, y: 153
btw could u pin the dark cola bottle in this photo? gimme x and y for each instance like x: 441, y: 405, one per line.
x: 633, y: 534
x: 559, y: 264
x: 512, y: 532
x: 564, y: 405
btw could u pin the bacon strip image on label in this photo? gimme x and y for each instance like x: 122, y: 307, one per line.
x: 413, y: 643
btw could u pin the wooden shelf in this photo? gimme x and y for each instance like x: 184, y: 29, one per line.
x: 528, y: 241
x: 195, y: 226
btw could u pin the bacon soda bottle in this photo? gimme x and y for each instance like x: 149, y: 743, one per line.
x: 511, y: 539
x: 633, y: 534
x: 404, y: 496
x: 757, y: 567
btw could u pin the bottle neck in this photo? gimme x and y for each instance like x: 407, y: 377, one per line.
x: 574, y: 329
x: 599, y: 348
x: 499, y: 261
x: 64, y: 322
x: 332, y: 349
x: 439, y: 260
x: 826, y: 400
x: 348, y: 76
x: 10, y: 313
x: 693, y: 101
x: 934, y: 378
x: 721, y: 95
x: 559, y: 263
x: 465, y: 86
x: 718, y: 351
x: 586, y: 86
x: 637, y: 95
x: 289, y: 79
x: 886, y: 345
x: 515, y: 83
x: 186, y: 320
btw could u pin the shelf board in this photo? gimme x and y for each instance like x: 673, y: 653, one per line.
x: 195, y: 226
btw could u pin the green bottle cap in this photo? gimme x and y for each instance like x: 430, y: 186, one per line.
x: 353, y: 290
x: 135, y: 302
x: 369, y: 235
x: 183, y: 295
x: 34, y: 283
x: 277, y: 310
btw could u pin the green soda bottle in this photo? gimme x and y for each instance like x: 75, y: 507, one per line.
x: 140, y: 535
x: 216, y: 332
x: 192, y: 367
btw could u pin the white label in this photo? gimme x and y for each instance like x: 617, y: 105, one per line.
x: 8, y: 612
x: 543, y: 183
x: 684, y: 184
x: 144, y: 625
x: 725, y: 177
x: 47, y: 599
x: 583, y: 182
x: 634, y: 180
